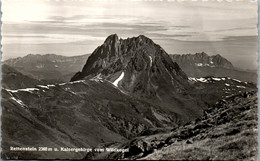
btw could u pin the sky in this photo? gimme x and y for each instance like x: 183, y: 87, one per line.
x: 76, y: 27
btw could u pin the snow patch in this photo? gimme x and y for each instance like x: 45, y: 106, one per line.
x: 40, y: 66
x: 241, y: 87
x: 24, y: 90
x: 18, y: 101
x: 74, y: 82
x: 197, y: 79
x: 11, y: 90
x: 202, y: 80
x: 217, y: 79
x: 29, y: 89
x: 192, y: 79
x: 41, y: 86
x: 237, y: 80
x: 199, y: 64
x: 207, y: 80
x: 46, y: 86
x: 151, y: 60
x: 115, y: 83
x: 97, y: 78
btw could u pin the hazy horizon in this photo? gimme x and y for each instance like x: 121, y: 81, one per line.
x: 78, y: 27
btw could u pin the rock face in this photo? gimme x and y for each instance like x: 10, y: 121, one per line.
x: 144, y: 66
x: 139, y: 67
x: 202, y: 59
x: 55, y: 68
x: 202, y: 65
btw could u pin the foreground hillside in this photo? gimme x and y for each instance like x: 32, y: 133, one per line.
x: 13, y: 79
x: 66, y: 115
x: 226, y: 131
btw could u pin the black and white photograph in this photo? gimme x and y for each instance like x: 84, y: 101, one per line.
x: 129, y: 80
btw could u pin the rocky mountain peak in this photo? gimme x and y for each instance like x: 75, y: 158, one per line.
x: 138, y: 62
x: 111, y: 39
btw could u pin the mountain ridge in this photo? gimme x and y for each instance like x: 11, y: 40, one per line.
x: 202, y: 59
x: 13, y: 79
x: 202, y: 65
x: 50, y: 67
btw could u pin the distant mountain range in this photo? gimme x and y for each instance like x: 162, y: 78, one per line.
x: 127, y: 89
x: 49, y: 67
x: 202, y: 65
x: 56, y: 68
x: 202, y: 60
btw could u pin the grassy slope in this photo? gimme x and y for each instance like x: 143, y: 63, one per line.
x: 227, y: 132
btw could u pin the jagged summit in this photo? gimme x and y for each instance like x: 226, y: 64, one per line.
x: 144, y: 64
x: 111, y: 38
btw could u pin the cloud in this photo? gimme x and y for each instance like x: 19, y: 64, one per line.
x: 177, y: 27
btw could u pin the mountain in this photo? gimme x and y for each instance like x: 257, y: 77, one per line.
x: 50, y: 67
x: 12, y: 79
x: 126, y: 90
x: 139, y: 67
x: 226, y: 131
x: 202, y: 59
x: 202, y: 65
